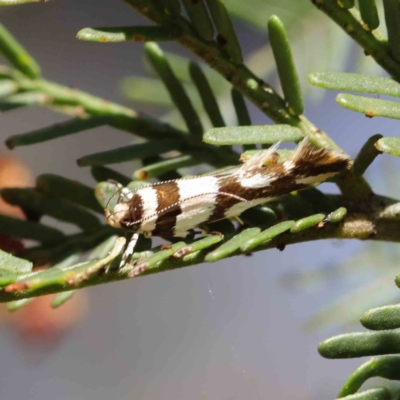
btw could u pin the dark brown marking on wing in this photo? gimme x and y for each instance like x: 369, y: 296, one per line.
x: 167, y: 196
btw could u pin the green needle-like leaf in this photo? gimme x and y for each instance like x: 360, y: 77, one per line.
x: 369, y: 13
x: 390, y: 145
x: 207, y: 96
x: 355, y: 83
x: 369, y: 106
x: 307, y: 222
x: 380, y: 393
x: 11, y: 266
x: 68, y: 189
x: 242, y: 113
x: 266, y: 235
x: 128, y: 153
x: 32, y: 200
x: 29, y: 230
x: 337, y: 215
x: 285, y: 64
x: 361, y: 344
x: 17, y: 55
x: 8, y: 87
x: 199, y: 17
x: 264, y: 134
x: 367, y: 155
x: 156, y: 259
x: 17, y: 304
x: 55, y: 131
x: 130, y: 33
x: 385, y: 367
x: 381, y: 318
x: 161, y: 167
x: 392, y: 19
x: 23, y: 100
x: 61, y: 298
x: 232, y: 245
x: 226, y: 37
x: 175, y: 88
x: 104, y: 174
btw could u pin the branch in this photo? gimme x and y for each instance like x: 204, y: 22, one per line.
x: 376, y: 219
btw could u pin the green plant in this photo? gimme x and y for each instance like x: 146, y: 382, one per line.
x: 357, y: 212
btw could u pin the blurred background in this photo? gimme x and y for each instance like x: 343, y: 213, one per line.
x: 246, y: 327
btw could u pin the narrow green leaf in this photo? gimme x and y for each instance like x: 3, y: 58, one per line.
x: 171, y: 7
x: 166, y: 165
x: 17, y: 304
x: 55, y: 131
x: 175, y: 88
x: 10, y: 265
x: 203, y: 243
x: 61, y: 298
x: 337, y: 215
x: 390, y: 145
x: 380, y: 393
x: 199, y: 17
x: 369, y: 13
x: 130, y: 33
x: 285, y: 64
x: 29, y: 230
x: 207, y: 96
x: 355, y: 83
x: 283, y: 154
x: 106, y: 194
x: 226, y: 37
x: 369, y: 106
x: 307, y: 222
x: 8, y: 87
x: 361, y: 344
x: 261, y: 216
x: 156, y: 259
x: 387, y: 367
x: 264, y: 134
x: 366, y: 156
x: 231, y: 245
x: 242, y: 113
x: 381, y: 318
x: 17, y: 55
x: 266, y: 235
x: 23, y: 100
x: 128, y: 153
x: 104, y: 174
x: 8, y: 278
x: 32, y: 200
x: 68, y: 189
x: 392, y: 19
x: 346, y: 3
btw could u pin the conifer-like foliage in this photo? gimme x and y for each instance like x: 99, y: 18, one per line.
x: 167, y: 151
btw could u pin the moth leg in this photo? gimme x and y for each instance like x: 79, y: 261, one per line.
x: 129, y: 249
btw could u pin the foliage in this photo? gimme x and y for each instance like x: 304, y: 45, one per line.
x: 198, y: 95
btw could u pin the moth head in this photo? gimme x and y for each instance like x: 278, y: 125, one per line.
x: 118, y: 216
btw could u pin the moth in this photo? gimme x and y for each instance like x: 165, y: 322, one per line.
x: 174, y: 208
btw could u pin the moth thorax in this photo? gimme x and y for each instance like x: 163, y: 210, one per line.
x: 119, y: 214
